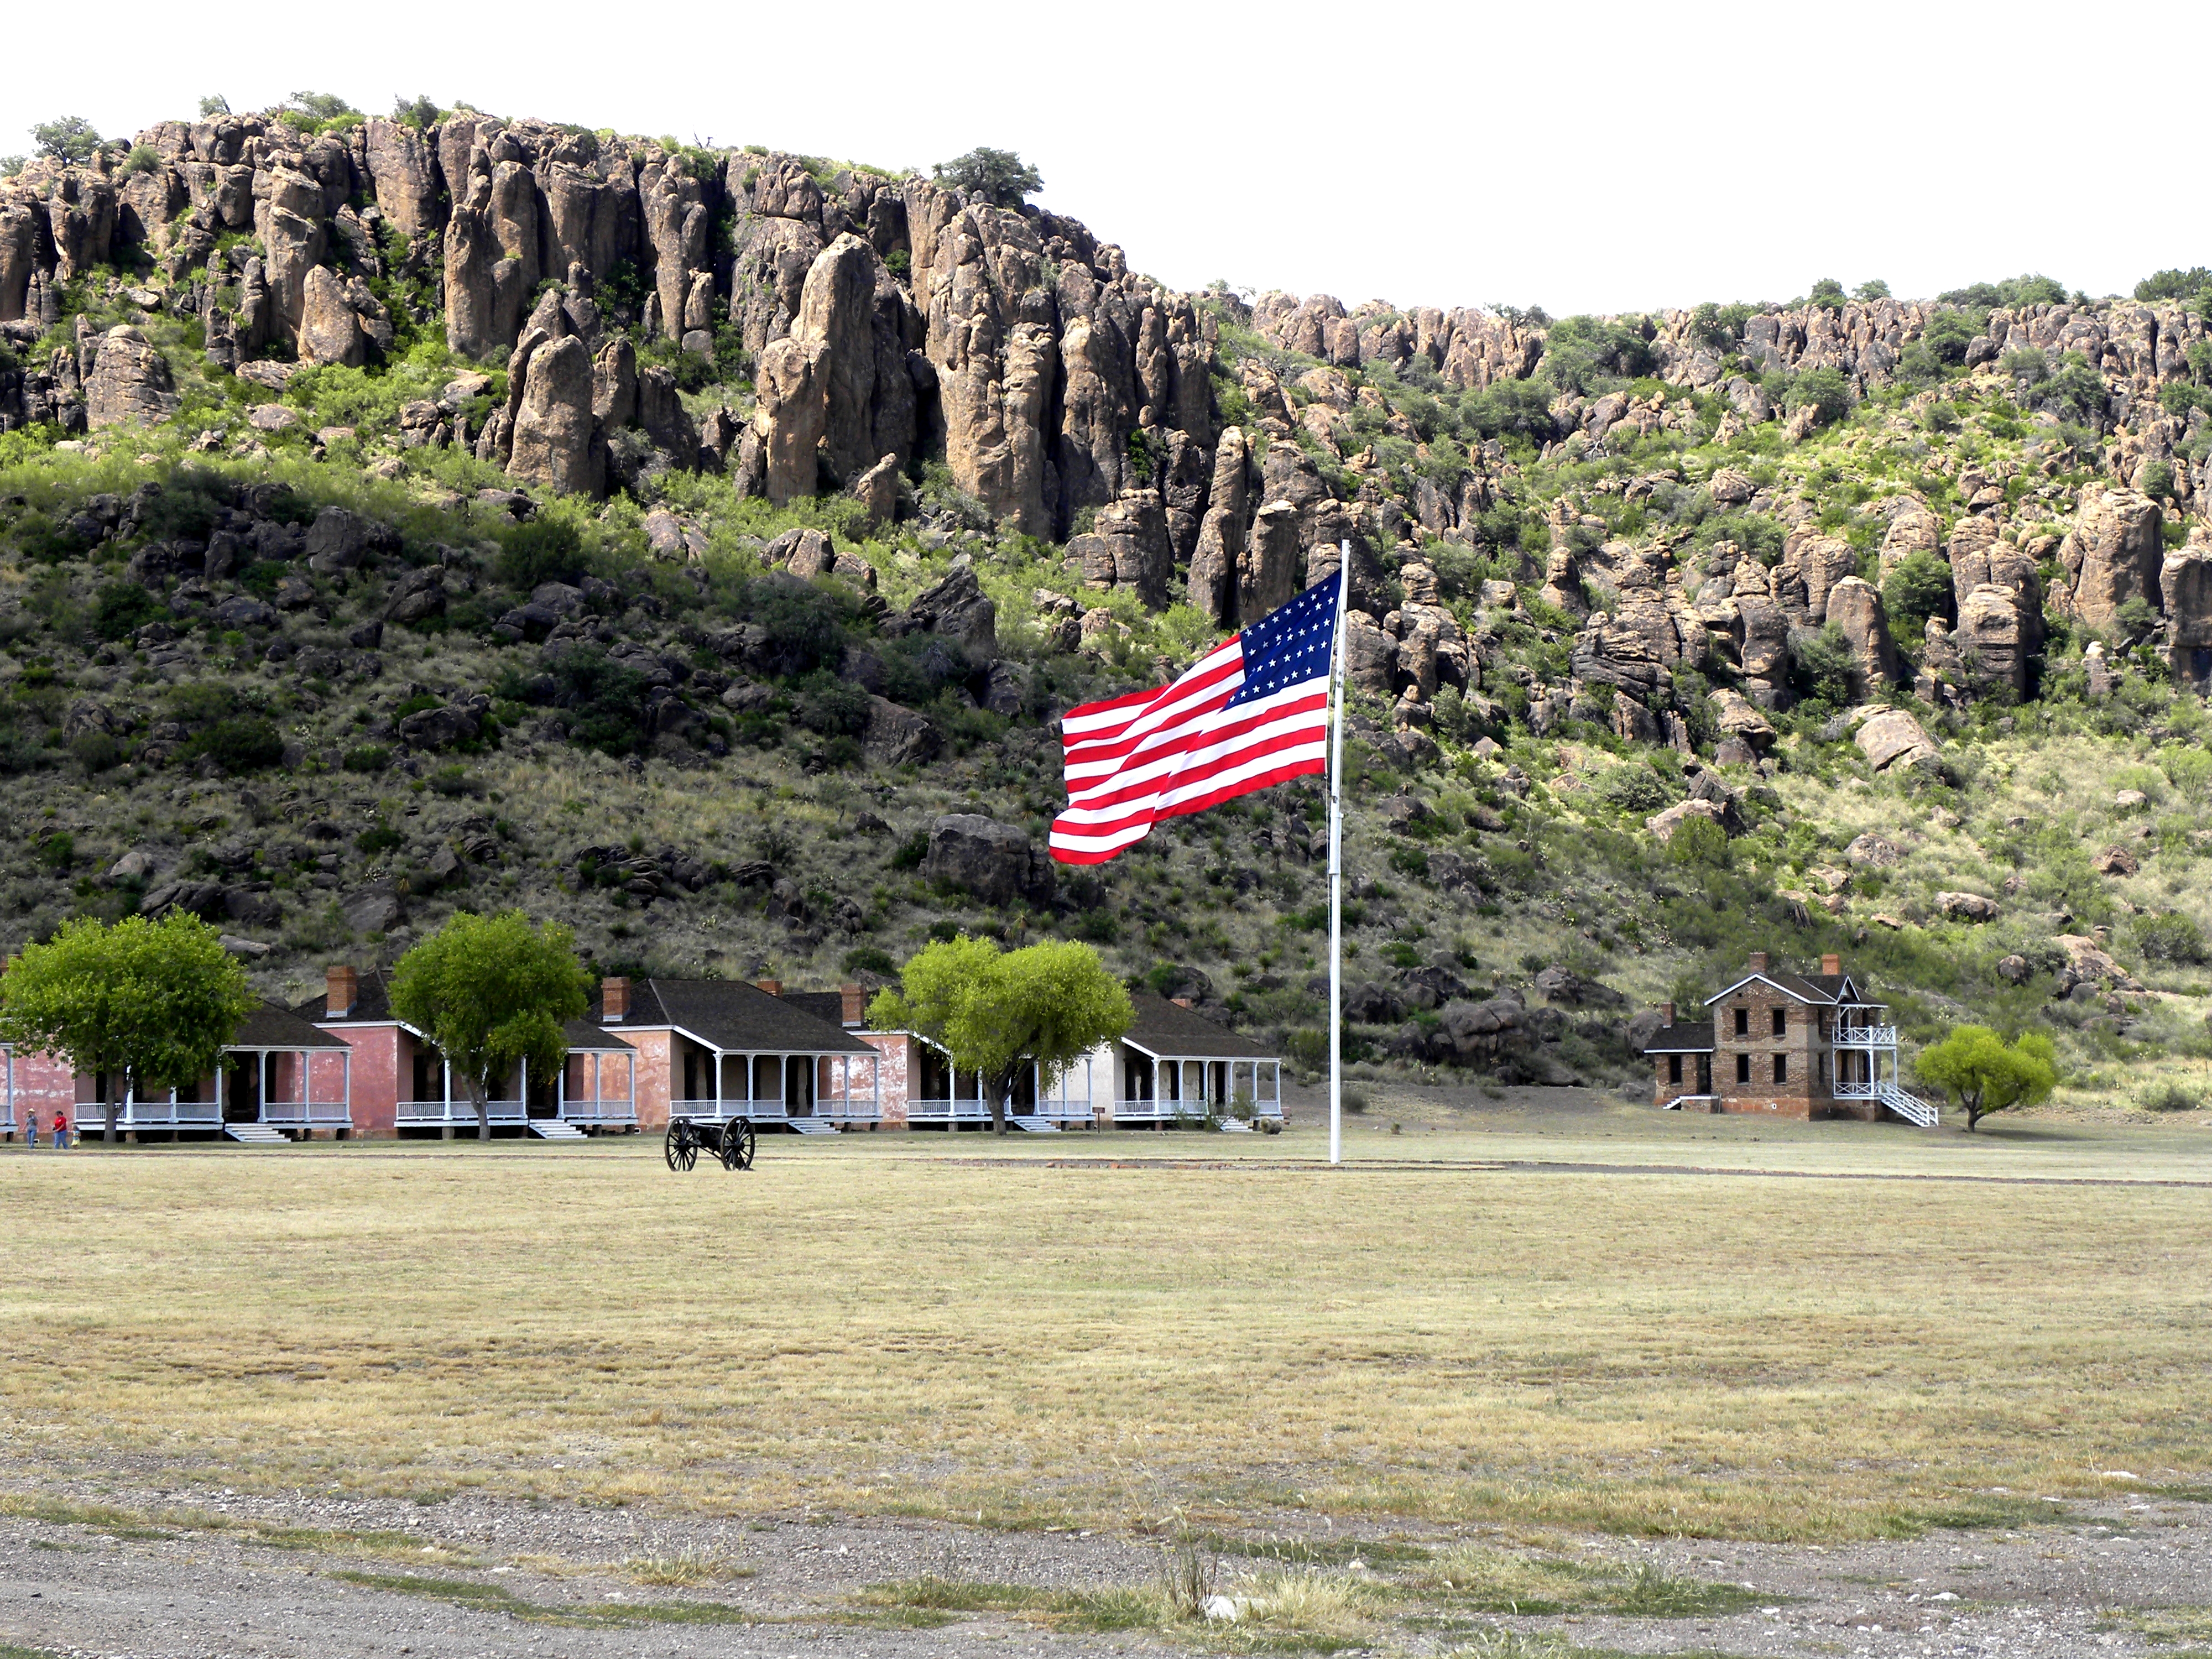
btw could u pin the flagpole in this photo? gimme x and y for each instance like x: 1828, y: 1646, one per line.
x: 1336, y: 863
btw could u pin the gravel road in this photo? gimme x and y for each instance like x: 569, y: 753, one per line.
x: 310, y: 1576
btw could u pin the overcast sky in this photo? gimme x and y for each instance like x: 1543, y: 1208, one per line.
x: 1598, y: 157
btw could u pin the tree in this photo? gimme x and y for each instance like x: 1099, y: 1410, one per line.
x: 999, y: 176
x: 491, y: 993
x: 1827, y: 293
x: 1873, y: 288
x: 67, y: 138
x: 1824, y: 391
x: 1050, y: 1003
x: 1918, y: 588
x: 1984, y: 1073
x: 320, y: 105
x: 150, y: 1003
x: 420, y: 112
x: 213, y: 105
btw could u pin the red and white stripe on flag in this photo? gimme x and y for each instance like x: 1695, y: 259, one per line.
x: 1214, y: 734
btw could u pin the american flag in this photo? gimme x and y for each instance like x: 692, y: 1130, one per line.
x: 1252, y: 711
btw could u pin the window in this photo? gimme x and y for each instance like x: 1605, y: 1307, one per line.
x: 1782, y: 1069
x: 1743, y: 1022
x: 1781, y: 1022
x: 1743, y: 1068
x: 1673, y: 1068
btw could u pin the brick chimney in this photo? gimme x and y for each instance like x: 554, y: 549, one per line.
x: 1667, y: 1012
x: 1759, y: 961
x: 1831, y: 966
x: 341, y: 986
x: 614, y: 1000
x: 856, y: 1005
x: 773, y: 987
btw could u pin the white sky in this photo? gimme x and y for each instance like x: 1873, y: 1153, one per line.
x: 1597, y: 157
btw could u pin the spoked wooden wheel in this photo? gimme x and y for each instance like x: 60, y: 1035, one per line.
x: 681, y: 1146
x: 738, y: 1144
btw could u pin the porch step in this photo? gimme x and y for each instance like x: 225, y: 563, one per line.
x: 552, y: 1128
x: 1230, y: 1126
x: 1035, y: 1125
x: 254, y: 1134
x: 812, y: 1126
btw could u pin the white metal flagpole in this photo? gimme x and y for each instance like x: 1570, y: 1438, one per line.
x: 1336, y: 863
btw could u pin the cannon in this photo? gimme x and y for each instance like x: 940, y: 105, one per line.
x: 731, y: 1142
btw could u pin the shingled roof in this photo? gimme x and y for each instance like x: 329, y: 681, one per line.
x: 372, y: 1001
x: 734, y: 1016
x: 1688, y: 1037
x: 272, y: 1026
x: 1167, y: 1028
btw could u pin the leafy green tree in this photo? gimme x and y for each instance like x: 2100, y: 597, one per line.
x: 151, y: 1003
x: 2172, y: 937
x: 999, y: 176
x: 1824, y: 390
x: 1918, y: 588
x: 2075, y: 390
x: 1949, y: 334
x: 1827, y: 295
x: 995, y: 1012
x: 67, y: 138
x: 491, y: 993
x: 1822, y: 664
x: 1873, y: 288
x: 320, y: 105
x: 2174, y: 284
x: 420, y: 112
x: 1581, y: 353
x: 214, y: 104
x: 1984, y: 1074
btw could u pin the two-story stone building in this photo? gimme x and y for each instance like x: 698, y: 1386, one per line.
x: 1787, y: 1045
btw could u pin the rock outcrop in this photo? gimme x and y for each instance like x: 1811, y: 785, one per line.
x: 2113, y: 555
x: 996, y: 862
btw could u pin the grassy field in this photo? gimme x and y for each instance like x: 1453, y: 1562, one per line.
x: 913, y: 1326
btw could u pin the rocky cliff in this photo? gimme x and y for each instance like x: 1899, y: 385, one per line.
x: 648, y: 457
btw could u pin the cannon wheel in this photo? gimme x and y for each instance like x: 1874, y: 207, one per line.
x: 738, y: 1144
x: 681, y: 1146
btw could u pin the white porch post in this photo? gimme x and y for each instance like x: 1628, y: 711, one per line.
x: 446, y: 1115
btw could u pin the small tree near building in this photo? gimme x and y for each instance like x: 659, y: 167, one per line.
x: 995, y: 1012
x: 151, y: 1004
x: 1984, y: 1073
x: 491, y: 993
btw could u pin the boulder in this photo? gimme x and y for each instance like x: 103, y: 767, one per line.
x: 2115, y: 861
x: 898, y: 737
x: 1967, y: 907
x: 1890, y: 735
x: 877, y: 490
x: 2113, y: 553
x: 1996, y: 638
x: 129, y: 383
x: 439, y: 728
x: 1128, y: 546
x: 996, y: 862
x: 957, y: 607
x: 2186, y: 586
x: 330, y: 330
x: 1664, y: 825
x: 373, y: 909
x: 1856, y: 609
x: 556, y: 443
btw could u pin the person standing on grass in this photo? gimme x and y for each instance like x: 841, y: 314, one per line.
x: 61, y: 1130
x: 31, y: 1118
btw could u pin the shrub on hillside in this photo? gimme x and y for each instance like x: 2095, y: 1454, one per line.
x: 1582, y: 354
x: 2171, y: 938
x: 1824, y: 390
x: 542, y: 551
x: 1918, y: 588
x: 239, y: 744
x: 999, y: 176
x: 1948, y: 335
x: 2174, y: 284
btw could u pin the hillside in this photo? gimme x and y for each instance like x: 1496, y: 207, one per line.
x: 398, y: 514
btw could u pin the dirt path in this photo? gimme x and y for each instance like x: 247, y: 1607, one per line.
x: 155, y: 1575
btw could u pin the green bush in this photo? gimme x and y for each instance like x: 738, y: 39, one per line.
x: 121, y: 609
x: 1699, y: 843
x: 999, y: 176
x: 1949, y: 334
x: 2155, y: 480
x: 1634, y: 788
x: 2028, y: 366
x: 1918, y: 588
x: 2170, y: 938
x: 239, y: 744
x: 2011, y: 293
x: 142, y: 158
x: 869, y: 959
x: 379, y: 838
x: 368, y: 757
x: 2168, y: 1095
x: 546, y: 549
x: 604, y: 700
x: 1824, y: 390
x: 831, y: 706
x: 1584, y: 354
x: 2174, y: 284
x: 67, y: 138
x: 1822, y: 665
x: 1827, y: 295
x: 2075, y: 390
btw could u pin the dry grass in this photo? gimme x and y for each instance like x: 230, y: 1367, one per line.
x: 873, y: 1327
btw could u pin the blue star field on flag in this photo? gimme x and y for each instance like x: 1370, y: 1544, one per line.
x: 1290, y: 644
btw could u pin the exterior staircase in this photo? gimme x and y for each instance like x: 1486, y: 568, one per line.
x: 812, y: 1126
x: 254, y: 1134
x: 1910, y: 1108
x: 1035, y: 1125
x: 552, y: 1128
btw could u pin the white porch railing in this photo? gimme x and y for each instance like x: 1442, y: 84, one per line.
x: 307, y: 1113
x: 89, y: 1115
x: 1866, y: 1036
x: 957, y: 1112
x: 597, y: 1112
x: 840, y: 1109
x: 437, y: 1114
